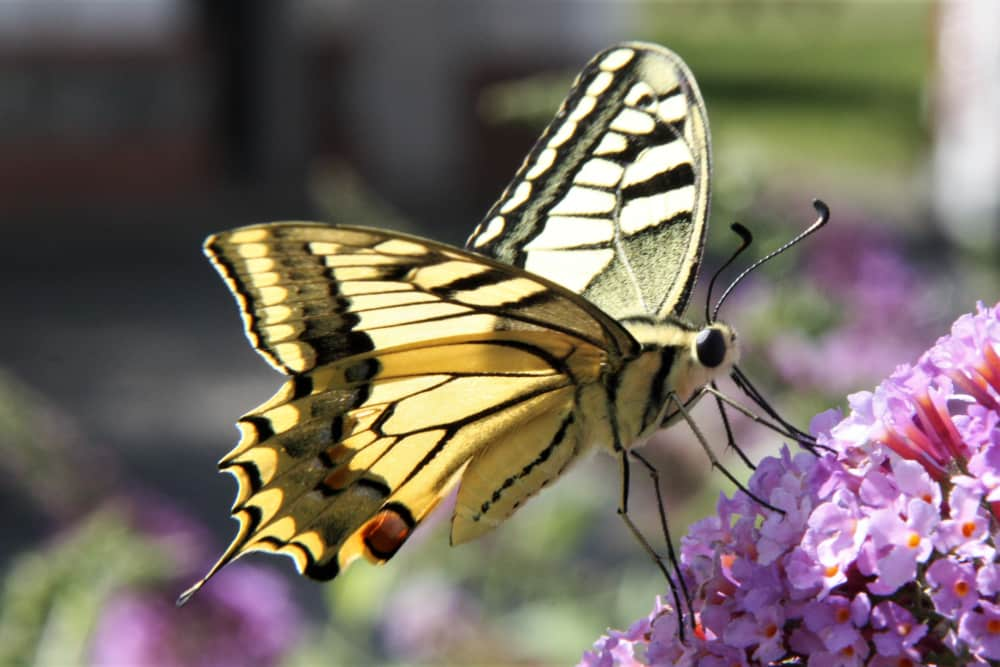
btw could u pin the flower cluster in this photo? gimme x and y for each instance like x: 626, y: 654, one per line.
x: 884, y: 552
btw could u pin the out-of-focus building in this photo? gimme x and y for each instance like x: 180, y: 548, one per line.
x: 966, y: 164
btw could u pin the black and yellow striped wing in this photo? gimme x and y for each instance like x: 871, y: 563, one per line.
x: 411, y: 364
x: 612, y: 201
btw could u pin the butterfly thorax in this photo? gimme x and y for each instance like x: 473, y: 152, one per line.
x: 675, y: 359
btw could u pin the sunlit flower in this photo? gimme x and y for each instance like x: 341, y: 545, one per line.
x: 885, y: 553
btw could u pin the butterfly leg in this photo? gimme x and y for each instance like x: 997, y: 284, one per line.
x: 716, y: 464
x: 780, y: 426
x: 661, y: 507
x: 730, y: 439
x: 644, y: 543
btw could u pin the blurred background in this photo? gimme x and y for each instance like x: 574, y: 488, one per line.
x: 130, y: 130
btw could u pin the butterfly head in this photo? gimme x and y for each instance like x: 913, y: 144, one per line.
x: 691, y: 357
x: 711, y: 353
x: 715, y: 347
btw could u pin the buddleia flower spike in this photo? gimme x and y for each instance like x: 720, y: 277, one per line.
x: 885, y: 552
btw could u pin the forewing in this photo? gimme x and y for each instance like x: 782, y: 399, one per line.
x: 313, y: 294
x: 613, y: 199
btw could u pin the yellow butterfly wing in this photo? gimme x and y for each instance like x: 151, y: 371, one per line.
x: 411, y: 364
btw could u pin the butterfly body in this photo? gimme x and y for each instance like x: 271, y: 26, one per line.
x: 416, y: 367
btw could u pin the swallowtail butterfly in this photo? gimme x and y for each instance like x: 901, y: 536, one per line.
x: 416, y: 367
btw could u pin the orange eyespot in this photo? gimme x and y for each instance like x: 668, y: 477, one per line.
x: 385, y: 533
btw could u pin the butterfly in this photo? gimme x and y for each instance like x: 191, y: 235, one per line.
x: 416, y: 367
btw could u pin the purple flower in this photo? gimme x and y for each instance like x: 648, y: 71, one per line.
x: 885, y: 549
x: 246, y: 617
x: 619, y: 648
x: 966, y: 531
x: 760, y: 631
x: 897, y: 630
x: 837, y: 620
x: 954, y: 587
x: 981, y: 630
x: 852, y: 655
x: 985, y: 464
x: 901, y: 543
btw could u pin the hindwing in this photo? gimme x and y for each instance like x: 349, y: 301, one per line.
x: 411, y: 364
x: 613, y: 199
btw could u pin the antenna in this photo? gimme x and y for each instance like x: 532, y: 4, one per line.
x: 824, y: 216
x: 747, y: 239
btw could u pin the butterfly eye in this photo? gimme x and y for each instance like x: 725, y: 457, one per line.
x: 711, y: 347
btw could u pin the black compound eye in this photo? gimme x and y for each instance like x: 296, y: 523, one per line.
x: 711, y: 347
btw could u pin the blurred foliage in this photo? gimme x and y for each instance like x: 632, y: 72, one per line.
x: 52, y: 597
x: 42, y: 455
x: 836, y: 83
